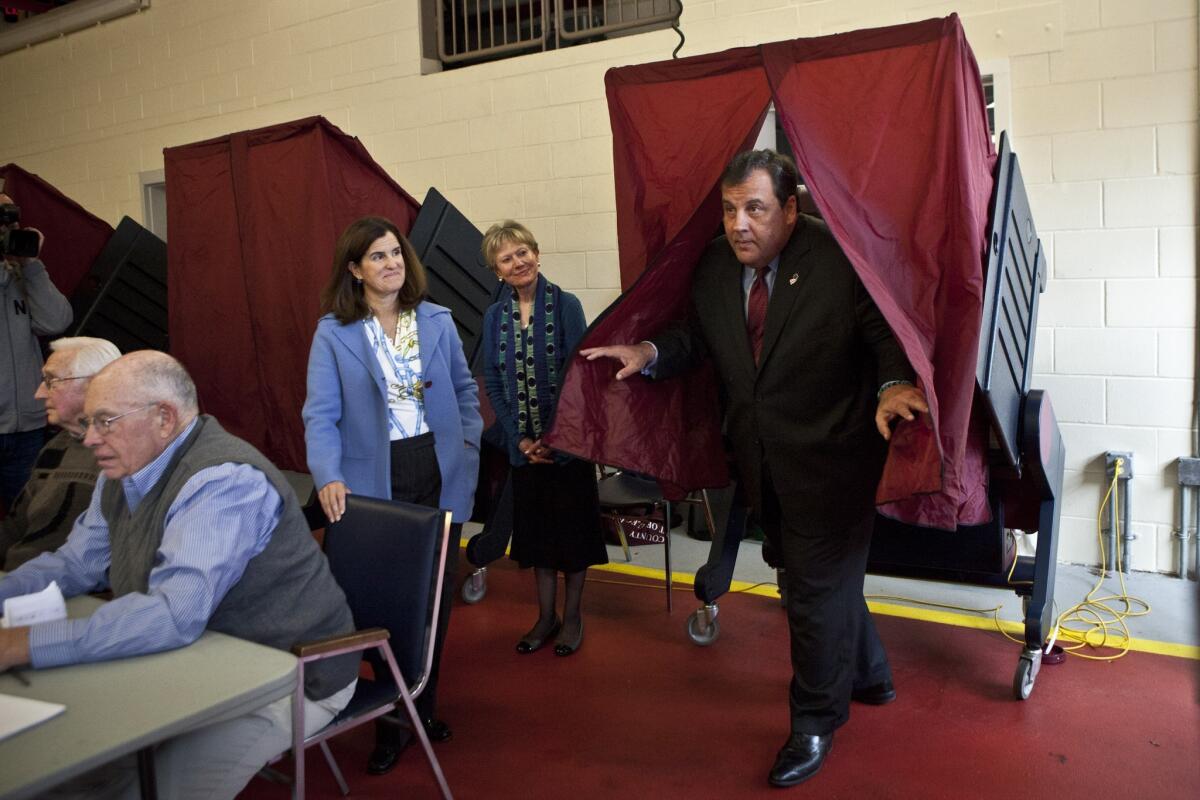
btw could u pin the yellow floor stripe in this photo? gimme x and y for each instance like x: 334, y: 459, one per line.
x: 983, y: 623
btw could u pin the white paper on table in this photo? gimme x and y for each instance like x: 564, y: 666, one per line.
x: 29, y: 609
x: 19, y: 713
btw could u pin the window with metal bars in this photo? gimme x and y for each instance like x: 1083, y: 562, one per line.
x: 468, y: 32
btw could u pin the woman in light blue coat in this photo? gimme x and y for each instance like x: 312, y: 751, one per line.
x: 392, y: 410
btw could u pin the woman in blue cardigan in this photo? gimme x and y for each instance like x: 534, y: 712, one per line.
x: 528, y: 335
x: 392, y: 410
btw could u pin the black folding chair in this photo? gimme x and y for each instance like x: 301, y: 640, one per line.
x: 389, y: 559
x: 626, y: 493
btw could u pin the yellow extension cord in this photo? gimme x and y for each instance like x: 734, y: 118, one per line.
x: 1104, y: 625
x: 1101, y: 621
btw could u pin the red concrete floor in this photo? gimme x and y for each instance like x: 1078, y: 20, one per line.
x: 640, y: 711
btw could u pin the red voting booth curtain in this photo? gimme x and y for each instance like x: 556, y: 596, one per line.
x: 74, y: 236
x: 254, y: 217
x: 890, y: 133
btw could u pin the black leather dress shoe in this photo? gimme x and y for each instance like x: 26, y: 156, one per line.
x: 800, y: 759
x: 385, y: 756
x: 437, y: 731
x: 878, y: 695
x: 397, y: 739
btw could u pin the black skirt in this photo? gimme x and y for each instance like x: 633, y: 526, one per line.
x: 556, y: 517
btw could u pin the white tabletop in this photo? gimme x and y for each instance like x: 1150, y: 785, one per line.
x: 118, y: 707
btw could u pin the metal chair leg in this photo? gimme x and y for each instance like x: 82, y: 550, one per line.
x: 621, y: 537
x: 333, y: 767
x: 667, y: 550
x: 708, y: 515
x: 419, y: 731
x: 298, y: 735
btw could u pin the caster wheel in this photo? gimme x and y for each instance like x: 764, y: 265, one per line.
x: 473, y: 589
x: 706, y: 637
x: 1024, y: 678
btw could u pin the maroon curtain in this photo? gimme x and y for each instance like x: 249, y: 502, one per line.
x: 889, y: 129
x: 675, y: 127
x: 253, y: 218
x: 74, y: 236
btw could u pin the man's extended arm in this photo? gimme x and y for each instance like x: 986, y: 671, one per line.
x: 79, y: 566
x: 677, y: 348
x: 222, y: 518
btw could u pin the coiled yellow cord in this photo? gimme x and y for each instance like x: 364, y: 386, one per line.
x: 1104, y: 625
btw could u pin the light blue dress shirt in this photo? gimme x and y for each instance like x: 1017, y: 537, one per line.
x: 221, y: 518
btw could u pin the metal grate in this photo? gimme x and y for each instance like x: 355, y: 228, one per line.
x: 584, y: 19
x: 470, y: 31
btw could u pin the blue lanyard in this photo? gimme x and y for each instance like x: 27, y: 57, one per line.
x: 405, y: 383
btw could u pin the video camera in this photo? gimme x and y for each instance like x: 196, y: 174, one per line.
x: 14, y: 241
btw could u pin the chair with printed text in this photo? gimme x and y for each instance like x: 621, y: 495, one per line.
x: 624, y: 494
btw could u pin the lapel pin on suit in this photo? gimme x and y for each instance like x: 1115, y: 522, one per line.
x: 792, y: 280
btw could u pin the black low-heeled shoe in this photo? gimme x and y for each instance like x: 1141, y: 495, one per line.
x: 563, y: 648
x: 529, y: 643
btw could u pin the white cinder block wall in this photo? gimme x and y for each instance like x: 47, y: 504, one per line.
x: 1103, y: 114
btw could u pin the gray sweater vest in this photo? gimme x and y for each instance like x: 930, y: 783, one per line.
x: 287, y: 594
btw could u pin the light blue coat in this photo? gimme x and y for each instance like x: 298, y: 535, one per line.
x: 345, y: 413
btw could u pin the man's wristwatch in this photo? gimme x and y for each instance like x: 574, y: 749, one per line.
x: 890, y: 384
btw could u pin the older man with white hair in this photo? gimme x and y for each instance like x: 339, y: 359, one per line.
x: 192, y: 529
x: 64, y: 472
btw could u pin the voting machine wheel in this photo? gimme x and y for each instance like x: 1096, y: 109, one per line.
x: 703, y: 627
x: 474, y: 588
x: 1027, y: 670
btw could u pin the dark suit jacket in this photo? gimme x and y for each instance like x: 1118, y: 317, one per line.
x: 808, y: 410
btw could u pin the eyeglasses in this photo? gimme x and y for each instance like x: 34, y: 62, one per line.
x: 104, y: 426
x: 52, y: 381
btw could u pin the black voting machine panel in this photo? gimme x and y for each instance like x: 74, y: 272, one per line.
x: 448, y: 246
x: 1026, y: 453
x: 123, y: 298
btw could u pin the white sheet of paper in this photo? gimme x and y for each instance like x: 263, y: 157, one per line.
x: 29, y: 609
x: 19, y: 713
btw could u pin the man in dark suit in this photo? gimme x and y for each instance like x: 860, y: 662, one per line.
x: 811, y: 380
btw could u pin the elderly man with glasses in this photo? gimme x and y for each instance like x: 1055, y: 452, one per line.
x: 64, y: 472
x: 192, y: 529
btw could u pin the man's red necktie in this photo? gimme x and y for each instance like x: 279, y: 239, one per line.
x: 756, y: 311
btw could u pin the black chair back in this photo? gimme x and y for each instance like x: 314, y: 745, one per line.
x: 387, y: 556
